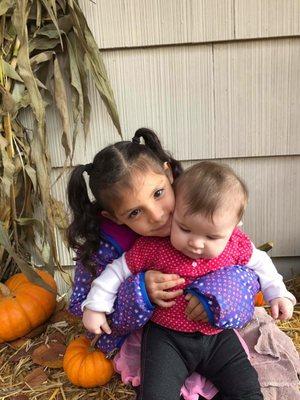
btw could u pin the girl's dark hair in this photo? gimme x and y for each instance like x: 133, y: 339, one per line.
x: 109, y: 172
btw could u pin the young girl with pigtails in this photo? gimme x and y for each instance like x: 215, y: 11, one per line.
x: 132, y: 186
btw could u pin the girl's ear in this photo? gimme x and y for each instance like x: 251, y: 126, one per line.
x: 108, y: 215
x: 168, y: 171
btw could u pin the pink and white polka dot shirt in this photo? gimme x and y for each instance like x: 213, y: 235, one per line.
x: 158, y: 253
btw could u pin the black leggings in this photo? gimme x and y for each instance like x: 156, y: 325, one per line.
x: 169, y: 357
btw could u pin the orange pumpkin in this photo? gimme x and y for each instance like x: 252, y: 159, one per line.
x: 259, y: 300
x: 86, y: 366
x: 24, y: 305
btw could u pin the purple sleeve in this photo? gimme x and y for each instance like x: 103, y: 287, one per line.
x: 229, y: 294
x: 82, y: 284
x: 83, y: 277
x: 133, y: 310
x: 132, y: 306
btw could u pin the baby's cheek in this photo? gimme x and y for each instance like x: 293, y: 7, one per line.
x: 216, y: 250
x: 174, y: 237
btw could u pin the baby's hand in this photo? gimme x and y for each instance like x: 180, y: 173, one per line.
x: 158, y: 285
x: 194, y: 310
x: 95, y: 322
x: 281, y: 308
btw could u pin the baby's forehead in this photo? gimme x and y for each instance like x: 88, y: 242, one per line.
x: 228, y: 208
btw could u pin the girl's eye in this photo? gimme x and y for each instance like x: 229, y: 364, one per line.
x: 134, y: 213
x: 211, y: 238
x: 159, y: 193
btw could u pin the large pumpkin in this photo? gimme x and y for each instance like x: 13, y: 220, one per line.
x: 24, y: 305
x: 86, y: 366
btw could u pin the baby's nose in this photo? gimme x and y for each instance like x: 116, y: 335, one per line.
x: 197, y: 243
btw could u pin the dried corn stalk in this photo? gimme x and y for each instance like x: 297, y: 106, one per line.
x: 41, y: 42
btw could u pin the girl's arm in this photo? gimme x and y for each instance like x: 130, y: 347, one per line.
x: 271, y: 281
x: 83, y: 277
x: 104, y: 289
x: 81, y: 288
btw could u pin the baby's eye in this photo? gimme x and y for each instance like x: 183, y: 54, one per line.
x: 134, y: 213
x: 184, y: 229
x: 159, y: 193
x: 211, y: 238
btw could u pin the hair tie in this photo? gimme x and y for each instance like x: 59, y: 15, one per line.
x: 88, y: 168
x: 136, y: 140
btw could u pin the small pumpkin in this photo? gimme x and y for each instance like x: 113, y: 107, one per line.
x: 86, y: 366
x: 24, y: 305
x: 259, y: 300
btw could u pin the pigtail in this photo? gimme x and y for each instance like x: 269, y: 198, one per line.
x: 83, y: 232
x: 153, y: 143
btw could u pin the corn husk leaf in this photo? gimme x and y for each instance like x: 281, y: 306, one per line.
x: 10, y: 72
x: 60, y: 95
x: 46, y: 53
x: 5, y: 5
x: 94, y: 62
x: 27, y: 270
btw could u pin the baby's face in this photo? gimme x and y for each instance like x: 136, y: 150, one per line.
x: 197, y: 236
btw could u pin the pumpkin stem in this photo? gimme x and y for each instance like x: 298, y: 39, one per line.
x: 4, y: 290
x: 95, y: 340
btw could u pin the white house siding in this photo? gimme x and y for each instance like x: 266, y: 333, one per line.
x: 217, y: 80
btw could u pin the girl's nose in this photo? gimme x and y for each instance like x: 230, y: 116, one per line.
x: 155, y: 215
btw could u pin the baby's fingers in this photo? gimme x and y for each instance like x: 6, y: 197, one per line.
x: 95, y: 330
x: 170, y: 295
x: 285, y: 313
x: 275, y: 310
x: 165, y: 304
x: 170, y: 284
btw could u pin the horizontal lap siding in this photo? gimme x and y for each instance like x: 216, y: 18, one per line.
x: 140, y: 23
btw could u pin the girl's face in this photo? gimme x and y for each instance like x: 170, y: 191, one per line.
x: 147, y: 206
x: 197, y: 236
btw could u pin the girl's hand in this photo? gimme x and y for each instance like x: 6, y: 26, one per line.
x: 95, y: 322
x: 157, y: 285
x: 281, y: 308
x: 195, y: 310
